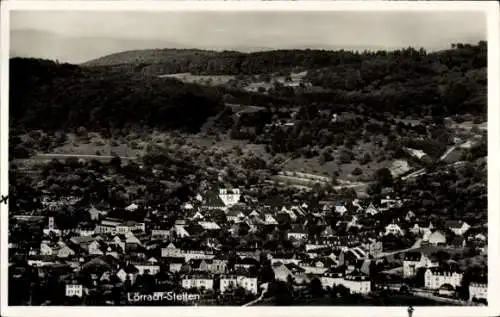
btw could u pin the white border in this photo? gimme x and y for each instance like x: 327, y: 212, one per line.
x: 491, y: 10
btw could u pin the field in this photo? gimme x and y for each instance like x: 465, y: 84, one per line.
x: 344, y: 171
x: 212, y: 80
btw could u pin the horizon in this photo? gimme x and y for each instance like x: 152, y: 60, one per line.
x: 79, y: 36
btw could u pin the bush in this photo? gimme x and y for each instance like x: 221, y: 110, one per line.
x: 357, y: 171
x: 365, y: 159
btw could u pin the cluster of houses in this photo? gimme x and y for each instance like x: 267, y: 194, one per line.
x: 122, y: 250
x: 444, y: 278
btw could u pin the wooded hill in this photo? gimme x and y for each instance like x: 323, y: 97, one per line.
x: 116, y: 91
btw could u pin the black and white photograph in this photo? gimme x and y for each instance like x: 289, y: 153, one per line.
x: 270, y: 155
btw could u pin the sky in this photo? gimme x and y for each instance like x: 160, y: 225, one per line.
x: 78, y: 36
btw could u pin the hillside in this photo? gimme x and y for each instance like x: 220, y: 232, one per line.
x: 50, y: 96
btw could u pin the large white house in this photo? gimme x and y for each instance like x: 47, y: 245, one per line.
x: 357, y: 282
x: 229, y: 197
x: 204, y: 281
x: 233, y: 281
x: 74, y: 290
x: 415, y: 260
x: 458, y: 227
x: 435, y: 277
x: 478, y: 291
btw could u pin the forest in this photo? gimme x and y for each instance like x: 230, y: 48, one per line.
x: 120, y: 92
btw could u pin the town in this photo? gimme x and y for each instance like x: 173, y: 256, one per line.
x: 285, y: 177
x: 229, y: 248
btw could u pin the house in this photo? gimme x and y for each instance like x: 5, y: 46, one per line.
x: 132, y: 207
x: 418, y: 154
x: 328, y: 232
x: 412, y: 261
x: 143, y: 267
x: 371, y: 210
x: 281, y: 272
x: 197, y: 216
x: 235, y: 215
x: 290, y: 212
x: 175, y: 264
x: 246, y: 263
x: 313, y: 267
x: 129, y: 272
x: 213, y: 201
x: 214, y: 266
x: 409, y: 216
x: 94, y: 248
x: 209, y: 225
x: 51, y: 228
x: 478, y: 291
x: 198, y: 281
x: 457, y: 226
x: 171, y: 251
x: 297, y: 235
x: 180, y: 231
x: 229, y: 197
x: 436, y: 238
x: 107, y: 225
x: 435, y: 277
x: 340, y: 209
x: 373, y: 246
x: 74, y: 290
x: 96, y: 214
x: 42, y: 260
x: 59, y: 249
x: 228, y: 282
x: 269, y: 220
x: 393, y: 229
x: 160, y: 233
x: 357, y: 283
x: 131, y: 239
x: 331, y: 278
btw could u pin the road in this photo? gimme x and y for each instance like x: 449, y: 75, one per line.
x: 429, y: 294
x: 413, y: 247
x: 255, y: 301
x: 49, y: 156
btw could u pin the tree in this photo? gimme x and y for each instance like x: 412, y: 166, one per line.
x: 383, y: 177
x: 116, y: 162
x: 357, y: 171
x: 315, y: 287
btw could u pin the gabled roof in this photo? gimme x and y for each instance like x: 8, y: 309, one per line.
x: 454, y: 224
x: 413, y: 256
x: 212, y: 199
x: 131, y: 207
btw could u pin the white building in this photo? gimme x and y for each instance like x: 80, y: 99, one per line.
x: 341, y: 209
x: 357, y: 283
x: 151, y: 268
x: 458, y: 227
x: 330, y: 279
x: 233, y: 281
x: 435, y: 238
x: 393, y: 229
x: 415, y: 260
x: 435, y: 277
x: 371, y: 210
x: 74, y: 290
x: 297, y: 235
x: 51, y: 228
x: 198, y: 281
x: 230, y: 197
x: 478, y: 291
